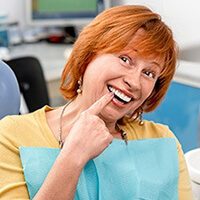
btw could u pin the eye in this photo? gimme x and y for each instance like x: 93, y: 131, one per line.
x: 150, y: 74
x: 125, y: 59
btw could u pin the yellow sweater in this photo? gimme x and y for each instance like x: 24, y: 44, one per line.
x: 32, y: 130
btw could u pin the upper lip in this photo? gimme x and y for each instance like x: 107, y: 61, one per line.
x: 124, y: 91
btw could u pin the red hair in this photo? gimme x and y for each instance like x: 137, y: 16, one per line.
x: 112, y: 31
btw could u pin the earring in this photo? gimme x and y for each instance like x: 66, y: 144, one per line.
x: 79, y: 90
x: 140, y: 117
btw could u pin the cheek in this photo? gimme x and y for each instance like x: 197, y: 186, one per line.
x: 148, y: 93
x: 147, y: 89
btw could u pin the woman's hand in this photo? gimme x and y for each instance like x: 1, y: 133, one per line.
x: 89, y: 136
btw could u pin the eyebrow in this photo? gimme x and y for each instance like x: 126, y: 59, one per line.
x: 155, y: 63
x: 135, y: 50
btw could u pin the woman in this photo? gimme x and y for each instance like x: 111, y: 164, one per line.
x: 122, y: 63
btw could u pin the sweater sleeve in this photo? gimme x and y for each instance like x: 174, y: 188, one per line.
x: 12, y: 182
x: 184, y: 186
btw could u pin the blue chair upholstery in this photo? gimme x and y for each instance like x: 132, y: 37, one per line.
x: 9, y: 91
x: 180, y: 110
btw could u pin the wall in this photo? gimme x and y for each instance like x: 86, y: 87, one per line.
x: 182, y: 16
x: 14, y: 9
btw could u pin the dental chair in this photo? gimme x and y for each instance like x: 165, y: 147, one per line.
x: 30, y: 76
x: 9, y: 92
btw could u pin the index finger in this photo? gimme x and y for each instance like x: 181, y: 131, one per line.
x: 98, y: 106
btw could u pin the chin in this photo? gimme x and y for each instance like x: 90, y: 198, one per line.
x: 110, y: 115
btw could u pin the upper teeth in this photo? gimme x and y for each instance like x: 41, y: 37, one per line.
x: 120, y: 94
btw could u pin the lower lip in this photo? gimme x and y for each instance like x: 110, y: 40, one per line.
x: 117, y: 103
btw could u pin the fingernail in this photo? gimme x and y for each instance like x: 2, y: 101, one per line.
x: 111, y: 94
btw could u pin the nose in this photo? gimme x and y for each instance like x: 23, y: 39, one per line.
x: 133, y: 81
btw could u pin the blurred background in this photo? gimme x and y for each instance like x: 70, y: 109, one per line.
x: 37, y: 36
x: 182, y: 15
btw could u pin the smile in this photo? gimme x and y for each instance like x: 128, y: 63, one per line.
x: 120, y: 96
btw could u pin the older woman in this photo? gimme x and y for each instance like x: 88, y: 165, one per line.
x: 121, y: 65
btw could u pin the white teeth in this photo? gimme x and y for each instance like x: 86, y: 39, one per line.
x: 120, y: 94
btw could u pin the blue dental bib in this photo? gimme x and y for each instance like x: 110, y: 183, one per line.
x: 146, y: 169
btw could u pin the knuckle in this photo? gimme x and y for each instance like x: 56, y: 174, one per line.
x: 100, y: 104
x: 83, y: 113
x: 82, y: 116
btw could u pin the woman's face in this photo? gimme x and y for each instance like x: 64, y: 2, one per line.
x: 130, y: 77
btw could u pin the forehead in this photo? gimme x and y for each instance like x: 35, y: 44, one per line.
x: 146, y: 47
